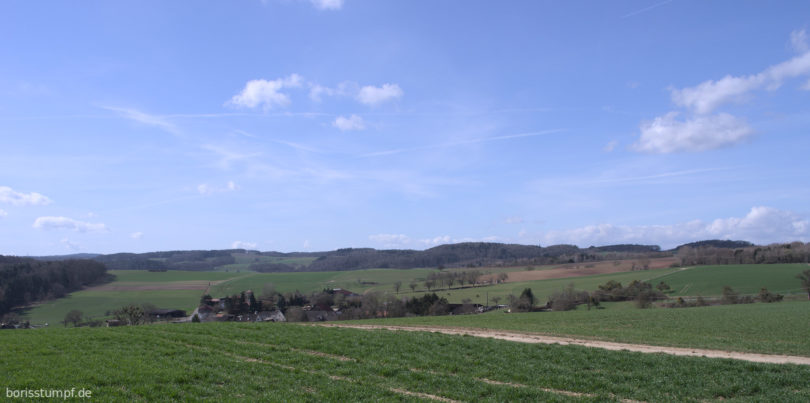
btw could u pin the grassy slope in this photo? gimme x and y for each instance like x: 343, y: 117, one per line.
x: 745, y: 279
x: 779, y: 328
x: 707, y: 280
x: 284, y: 362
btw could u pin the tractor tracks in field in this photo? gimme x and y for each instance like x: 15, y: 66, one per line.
x: 607, y: 345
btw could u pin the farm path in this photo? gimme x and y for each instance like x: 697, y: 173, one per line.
x: 608, y: 345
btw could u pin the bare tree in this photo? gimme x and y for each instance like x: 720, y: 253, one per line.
x: 397, y: 286
x: 413, y: 286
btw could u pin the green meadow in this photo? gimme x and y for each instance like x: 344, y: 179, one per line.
x: 288, y: 362
x: 778, y: 328
x: 702, y: 280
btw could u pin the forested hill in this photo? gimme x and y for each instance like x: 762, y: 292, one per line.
x: 452, y: 255
x: 716, y: 243
x: 25, y: 280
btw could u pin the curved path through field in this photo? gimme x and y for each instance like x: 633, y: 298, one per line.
x: 608, y: 345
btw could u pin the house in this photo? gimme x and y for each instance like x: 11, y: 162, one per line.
x: 114, y: 322
x: 270, y: 316
x: 344, y: 292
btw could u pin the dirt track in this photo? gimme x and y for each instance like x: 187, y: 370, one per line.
x: 608, y: 345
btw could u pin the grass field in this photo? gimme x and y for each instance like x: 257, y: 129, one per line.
x: 286, y: 362
x: 779, y: 328
x: 745, y: 279
x: 182, y: 289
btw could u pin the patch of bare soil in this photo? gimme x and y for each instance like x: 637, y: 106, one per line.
x: 585, y: 269
x: 608, y: 345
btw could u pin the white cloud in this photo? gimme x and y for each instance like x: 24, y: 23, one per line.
x: 371, y: 95
x: 266, y: 93
x: 53, y: 223
x: 327, y: 4
x: 9, y: 195
x: 610, y: 146
x: 316, y: 91
x: 207, y: 190
x: 798, y: 41
x: 700, y: 131
x: 3, y: 213
x: 136, y: 235
x: 708, y: 95
x: 761, y: 225
x: 243, y: 245
x: 353, y: 122
x: 667, y: 134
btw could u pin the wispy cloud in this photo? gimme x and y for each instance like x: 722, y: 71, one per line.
x: 56, y: 223
x: 145, y: 118
x: 207, y: 190
x: 701, y: 129
x: 136, y: 235
x: 243, y: 245
x: 327, y: 4
x: 645, y: 9
x: 760, y: 225
x: 461, y: 143
x: 13, y: 197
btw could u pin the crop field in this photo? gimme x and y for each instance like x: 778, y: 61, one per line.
x: 287, y: 362
x: 745, y: 279
x: 778, y: 328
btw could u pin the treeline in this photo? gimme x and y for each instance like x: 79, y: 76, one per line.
x: 468, y: 254
x: 476, y: 254
x: 795, y: 252
x: 25, y: 280
x: 194, y: 260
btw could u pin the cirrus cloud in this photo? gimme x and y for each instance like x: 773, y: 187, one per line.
x: 56, y: 223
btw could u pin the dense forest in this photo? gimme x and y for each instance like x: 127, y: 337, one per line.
x: 467, y: 254
x: 25, y: 280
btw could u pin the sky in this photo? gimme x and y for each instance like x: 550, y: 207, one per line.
x: 308, y: 125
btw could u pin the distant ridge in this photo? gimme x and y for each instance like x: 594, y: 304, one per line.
x: 67, y: 257
x: 717, y: 243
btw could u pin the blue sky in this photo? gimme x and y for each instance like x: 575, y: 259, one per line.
x: 298, y: 125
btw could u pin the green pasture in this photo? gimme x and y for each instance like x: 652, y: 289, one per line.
x: 358, y: 281
x: 288, y: 362
x: 779, y: 328
x: 140, y: 276
x: 745, y: 279
x: 96, y: 304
